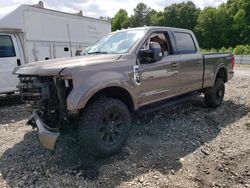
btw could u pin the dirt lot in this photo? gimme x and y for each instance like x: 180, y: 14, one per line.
x: 183, y: 146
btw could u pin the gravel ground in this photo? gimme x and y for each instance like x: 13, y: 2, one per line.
x: 187, y: 145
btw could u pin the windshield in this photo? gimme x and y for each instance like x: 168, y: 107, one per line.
x: 115, y: 43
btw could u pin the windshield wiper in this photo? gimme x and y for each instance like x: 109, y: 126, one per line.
x: 97, y: 52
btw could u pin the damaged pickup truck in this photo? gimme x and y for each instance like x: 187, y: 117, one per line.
x: 133, y: 70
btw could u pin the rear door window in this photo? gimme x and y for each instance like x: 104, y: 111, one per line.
x: 184, y: 43
x: 6, y: 46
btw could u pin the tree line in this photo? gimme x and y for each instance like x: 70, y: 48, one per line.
x: 225, y: 26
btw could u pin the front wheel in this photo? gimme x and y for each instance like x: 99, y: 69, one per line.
x: 104, y: 127
x: 214, y: 95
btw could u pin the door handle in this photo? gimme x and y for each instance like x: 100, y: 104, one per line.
x: 174, y: 64
x: 18, y: 61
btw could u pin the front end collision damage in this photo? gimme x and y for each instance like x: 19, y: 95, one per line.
x: 47, y: 135
x: 51, y: 110
x: 46, y: 98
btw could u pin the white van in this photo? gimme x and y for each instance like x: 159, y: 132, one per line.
x: 30, y: 33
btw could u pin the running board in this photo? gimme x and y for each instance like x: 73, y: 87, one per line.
x: 165, y: 103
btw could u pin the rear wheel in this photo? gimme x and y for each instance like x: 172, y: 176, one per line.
x: 214, y: 95
x: 104, y: 127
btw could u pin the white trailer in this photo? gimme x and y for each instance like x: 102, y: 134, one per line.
x: 30, y: 33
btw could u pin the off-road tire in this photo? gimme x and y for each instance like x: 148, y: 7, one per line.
x: 214, y: 95
x: 93, y: 125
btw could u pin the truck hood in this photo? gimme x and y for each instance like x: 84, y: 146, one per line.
x: 55, y: 66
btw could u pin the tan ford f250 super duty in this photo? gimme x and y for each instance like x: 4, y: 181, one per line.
x: 133, y: 70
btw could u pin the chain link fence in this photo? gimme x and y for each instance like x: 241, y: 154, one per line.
x: 242, y: 59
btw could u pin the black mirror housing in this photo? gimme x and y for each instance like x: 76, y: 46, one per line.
x: 152, y: 54
x: 156, y: 50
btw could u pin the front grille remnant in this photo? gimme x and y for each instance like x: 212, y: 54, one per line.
x: 41, y: 93
x: 34, y: 90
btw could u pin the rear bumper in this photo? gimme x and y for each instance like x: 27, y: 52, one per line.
x: 46, y: 135
x: 230, y: 75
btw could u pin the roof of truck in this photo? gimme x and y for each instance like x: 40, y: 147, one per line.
x: 153, y: 28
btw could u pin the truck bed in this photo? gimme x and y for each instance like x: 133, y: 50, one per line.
x: 212, y: 63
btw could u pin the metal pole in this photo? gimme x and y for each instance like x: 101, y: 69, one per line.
x: 69, y: 41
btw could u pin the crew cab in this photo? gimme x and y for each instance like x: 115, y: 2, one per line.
x: 135, y: 70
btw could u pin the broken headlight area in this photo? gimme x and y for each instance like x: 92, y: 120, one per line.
x: 47, y: 97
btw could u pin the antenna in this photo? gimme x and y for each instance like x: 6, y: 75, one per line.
x: 69, y: 41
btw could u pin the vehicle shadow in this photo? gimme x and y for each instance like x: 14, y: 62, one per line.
x: 9, y: 100
x: 157, y: 142
x: 9, y: 111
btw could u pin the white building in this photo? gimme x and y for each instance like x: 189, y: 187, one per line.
x: 31, y: 33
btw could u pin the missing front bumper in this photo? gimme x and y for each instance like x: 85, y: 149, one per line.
x: 47, y: 136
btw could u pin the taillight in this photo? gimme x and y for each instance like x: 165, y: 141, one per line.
x: 233, y: 62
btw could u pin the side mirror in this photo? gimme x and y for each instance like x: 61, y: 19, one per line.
x: 78, y: 52
x: 152, y: 54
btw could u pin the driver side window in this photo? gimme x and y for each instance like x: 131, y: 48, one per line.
x: 161, y: 39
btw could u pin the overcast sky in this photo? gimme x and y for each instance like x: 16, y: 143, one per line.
x: 97, y: 8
